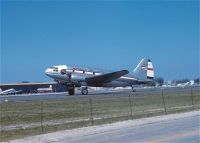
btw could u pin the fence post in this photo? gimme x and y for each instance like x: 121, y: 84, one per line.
x: 130, y: 104
x: 41, y: 116
x: 191, y: 93
x: 91, y: 113
x: 6, y: 109
x: 163, y: 99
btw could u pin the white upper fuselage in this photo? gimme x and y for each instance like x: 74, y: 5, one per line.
x: 78, y: 75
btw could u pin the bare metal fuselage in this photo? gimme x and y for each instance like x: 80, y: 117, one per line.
x: 78, y: 78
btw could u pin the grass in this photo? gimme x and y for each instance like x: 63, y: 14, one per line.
x: 55, y: 115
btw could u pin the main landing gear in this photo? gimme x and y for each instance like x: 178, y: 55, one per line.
x: 71, y: 90
x: 84, y: 90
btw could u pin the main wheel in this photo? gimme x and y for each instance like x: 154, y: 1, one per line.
x: 71, y: 91
x: 84, y: 91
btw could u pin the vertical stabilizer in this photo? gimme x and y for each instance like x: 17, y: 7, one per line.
x: 144, y: 70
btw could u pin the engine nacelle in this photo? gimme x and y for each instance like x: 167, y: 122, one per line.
x: 63, y: 71
x: 67, y: 74
x: 72, y: 77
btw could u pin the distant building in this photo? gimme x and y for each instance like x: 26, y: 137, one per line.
x: 191, y: 82
x: 168, y: 83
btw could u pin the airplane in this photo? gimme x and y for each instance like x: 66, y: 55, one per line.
x: 10, y: 91
x: 32, y: 87
x: 73, y: 77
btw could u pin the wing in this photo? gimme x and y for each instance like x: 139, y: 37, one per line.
x: 104, y: 78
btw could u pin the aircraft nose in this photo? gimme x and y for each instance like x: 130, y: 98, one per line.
x: 47, y: 71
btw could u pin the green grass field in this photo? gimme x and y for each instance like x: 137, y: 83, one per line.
x: 20, y: 119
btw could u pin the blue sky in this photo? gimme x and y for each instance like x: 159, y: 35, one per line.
x: 101, y: 34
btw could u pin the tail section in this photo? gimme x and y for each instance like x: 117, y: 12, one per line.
x: 144, y: 70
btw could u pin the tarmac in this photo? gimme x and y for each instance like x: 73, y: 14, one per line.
x: 53, y: 96
x: 102, y: 92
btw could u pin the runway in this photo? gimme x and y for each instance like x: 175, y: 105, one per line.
x: 55, y: 96
x: 176, y: 128
x: 102, y: 92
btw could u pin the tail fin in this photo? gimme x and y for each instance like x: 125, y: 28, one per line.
x: 144, y: 70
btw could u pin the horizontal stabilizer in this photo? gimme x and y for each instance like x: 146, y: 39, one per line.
x: 105, y: 78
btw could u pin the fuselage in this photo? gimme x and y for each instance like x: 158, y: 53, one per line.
x: 77, y: 76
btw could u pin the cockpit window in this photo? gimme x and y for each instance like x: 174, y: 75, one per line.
x: 54, y: 69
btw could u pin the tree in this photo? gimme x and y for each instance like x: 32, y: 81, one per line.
x: 197, y: 80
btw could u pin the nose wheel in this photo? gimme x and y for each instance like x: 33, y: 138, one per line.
x: 84, y: 91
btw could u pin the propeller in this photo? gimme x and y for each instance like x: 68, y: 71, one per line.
x: 64, y: 72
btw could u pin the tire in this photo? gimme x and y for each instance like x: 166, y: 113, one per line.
x: 71, y: 91
x: 84, y: 91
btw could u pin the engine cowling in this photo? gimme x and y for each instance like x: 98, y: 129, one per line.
x: 72, y: 77
x: 63, y: 71
x: 68, y: 74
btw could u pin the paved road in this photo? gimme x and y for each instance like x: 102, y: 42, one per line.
x: 175, y: 128
x: 180, y: 130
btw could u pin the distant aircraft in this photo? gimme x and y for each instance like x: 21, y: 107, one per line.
x: 83, y: 77
x: 33, y: 87
x: 10, y: 91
